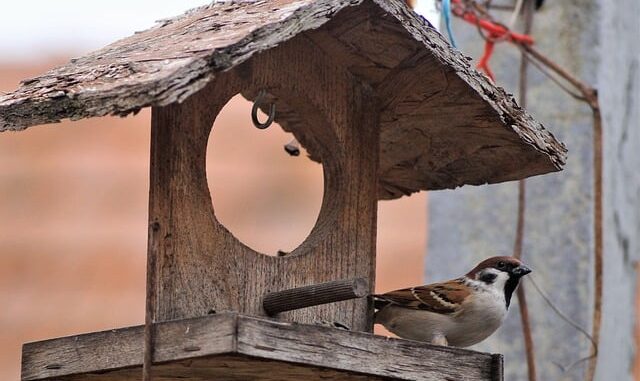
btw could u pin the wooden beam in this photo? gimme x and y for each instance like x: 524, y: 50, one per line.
x: 121, y: 348
x: 237, y: 347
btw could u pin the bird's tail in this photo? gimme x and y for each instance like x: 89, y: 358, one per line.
x: 379, y: 302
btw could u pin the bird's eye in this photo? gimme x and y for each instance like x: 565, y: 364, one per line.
x: 501, y: 265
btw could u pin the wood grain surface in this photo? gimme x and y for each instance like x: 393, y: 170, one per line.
x: 200, y: 265
x: 236, y: 347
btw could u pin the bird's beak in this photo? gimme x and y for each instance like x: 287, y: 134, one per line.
x: 521, y: 271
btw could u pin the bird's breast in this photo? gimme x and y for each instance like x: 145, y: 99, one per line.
x: 479, y: 318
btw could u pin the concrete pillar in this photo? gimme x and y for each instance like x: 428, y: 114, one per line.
x: 619, y: 85
x: 597, y: 40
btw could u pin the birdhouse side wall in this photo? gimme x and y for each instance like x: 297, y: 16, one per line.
x: 196, y: 266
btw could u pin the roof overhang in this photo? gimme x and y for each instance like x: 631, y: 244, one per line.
x: 443, y: 124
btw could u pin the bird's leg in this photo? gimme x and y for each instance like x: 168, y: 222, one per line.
x: 335, y: 324
x: 439, y: 339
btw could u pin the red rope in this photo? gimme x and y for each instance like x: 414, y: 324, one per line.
x: 483, y: 63
x: 495, y: 33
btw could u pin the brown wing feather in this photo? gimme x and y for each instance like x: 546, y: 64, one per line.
x: 444, y: 298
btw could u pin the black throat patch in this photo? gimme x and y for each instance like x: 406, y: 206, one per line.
x: 509, y: 287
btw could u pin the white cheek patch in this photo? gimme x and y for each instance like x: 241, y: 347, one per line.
x: 501, y: 280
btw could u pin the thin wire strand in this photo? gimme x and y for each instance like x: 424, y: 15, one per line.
x: 598, y: 244
x: 569, y: 321
x: 523, y: 305
x: 552, y: 77
x: 515, y: 14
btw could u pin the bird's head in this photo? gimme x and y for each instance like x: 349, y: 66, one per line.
x: 500, y: 272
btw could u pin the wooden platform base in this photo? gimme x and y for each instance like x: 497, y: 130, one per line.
x: 230, y: 346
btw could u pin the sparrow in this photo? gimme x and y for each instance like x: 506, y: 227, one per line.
x: 460, y: 312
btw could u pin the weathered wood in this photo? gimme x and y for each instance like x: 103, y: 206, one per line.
x: 354, y: 351
x: 228, y: 368
x: 236, y: 347
x: 119, y: 348
x: 442, y: 123
x: 201, y: 266
x: 314, y: 295
x: 498, y: 368
x: 151, y: 299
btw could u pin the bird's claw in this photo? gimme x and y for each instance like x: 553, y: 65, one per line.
x: 333, y: 324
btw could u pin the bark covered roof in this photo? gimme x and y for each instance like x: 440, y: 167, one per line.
x: 443, y: 124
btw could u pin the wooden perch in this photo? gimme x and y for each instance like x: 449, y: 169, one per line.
x: 314, y: 295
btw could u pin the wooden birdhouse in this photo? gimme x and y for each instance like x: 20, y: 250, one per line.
x: 372, y: 92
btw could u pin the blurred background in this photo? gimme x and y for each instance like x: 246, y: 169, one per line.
x: 73, y: 196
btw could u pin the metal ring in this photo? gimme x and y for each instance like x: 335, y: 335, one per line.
x: 254, y: 112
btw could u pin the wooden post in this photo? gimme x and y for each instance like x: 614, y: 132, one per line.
x: 201, y: 266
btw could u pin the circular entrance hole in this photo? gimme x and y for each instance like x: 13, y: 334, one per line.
x: 266, y: 198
